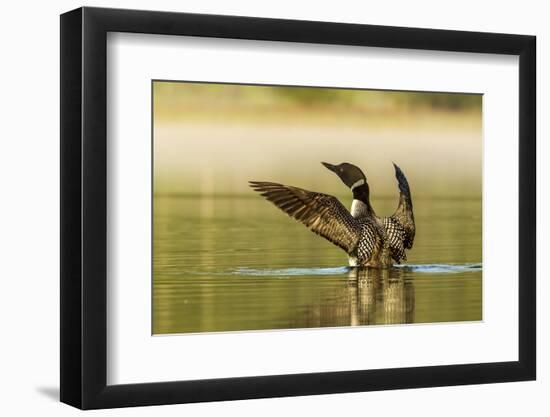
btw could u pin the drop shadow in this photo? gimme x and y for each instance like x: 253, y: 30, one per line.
x: 50, y: 392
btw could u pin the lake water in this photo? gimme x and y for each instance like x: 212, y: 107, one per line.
x: 230, y: 263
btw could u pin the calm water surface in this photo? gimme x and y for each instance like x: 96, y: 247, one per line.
x: 238, y: 263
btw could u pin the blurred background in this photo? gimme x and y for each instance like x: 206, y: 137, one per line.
x: 213, y: 138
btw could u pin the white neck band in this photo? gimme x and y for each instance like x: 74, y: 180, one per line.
x: 357, y: 184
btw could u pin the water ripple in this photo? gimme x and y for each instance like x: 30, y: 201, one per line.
x: 290, y: 271
x: 420, y: 268
x: 441, y: 268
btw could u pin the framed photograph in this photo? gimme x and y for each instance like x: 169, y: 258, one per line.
x: 257, y: 208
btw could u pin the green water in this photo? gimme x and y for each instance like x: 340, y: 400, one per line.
x: 238, y: 263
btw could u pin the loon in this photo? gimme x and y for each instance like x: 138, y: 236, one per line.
x: 399, y: 228
x: 363, y: 238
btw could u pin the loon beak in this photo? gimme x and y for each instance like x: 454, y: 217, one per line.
x: 330, y: 166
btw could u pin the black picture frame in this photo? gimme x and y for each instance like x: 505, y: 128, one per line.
x: 84, y: 207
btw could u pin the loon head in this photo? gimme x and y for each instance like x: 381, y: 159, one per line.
x: 350, y: 175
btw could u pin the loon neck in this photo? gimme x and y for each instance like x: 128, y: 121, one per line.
x: 362, y: 193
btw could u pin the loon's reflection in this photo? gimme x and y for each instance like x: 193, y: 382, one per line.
x: 380, y: 296
x: 367, y: 296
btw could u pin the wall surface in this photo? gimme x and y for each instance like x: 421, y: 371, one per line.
x: 29, y: 175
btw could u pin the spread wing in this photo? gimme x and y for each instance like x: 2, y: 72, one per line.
x: 321, y: 213
x: 404, y: 213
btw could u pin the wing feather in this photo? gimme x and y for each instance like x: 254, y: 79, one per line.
x: 404, y: 213
x: 323, y: 214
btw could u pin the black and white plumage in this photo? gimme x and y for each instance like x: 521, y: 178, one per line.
x: 399, y: 228
x: 395, y: 235
x: 361, y: 238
